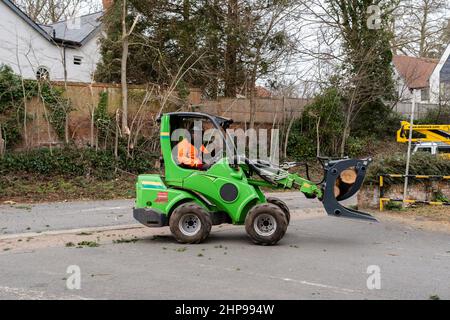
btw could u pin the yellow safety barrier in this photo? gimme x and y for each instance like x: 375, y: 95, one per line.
x: 384, y: 200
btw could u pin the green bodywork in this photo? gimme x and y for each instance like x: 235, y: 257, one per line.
x: 181, y: 185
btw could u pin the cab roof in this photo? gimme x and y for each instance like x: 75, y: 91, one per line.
x: 221, y: 121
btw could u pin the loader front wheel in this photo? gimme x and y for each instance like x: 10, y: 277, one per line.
x: 266, y: 224
x: 283, y: 206
x: 190, y: 223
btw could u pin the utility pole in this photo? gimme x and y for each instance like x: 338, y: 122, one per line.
x: 408, y: 158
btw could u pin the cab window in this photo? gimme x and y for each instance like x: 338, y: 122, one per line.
x: 184, y: 134
x: 426, y: 150
x: 444, y: 150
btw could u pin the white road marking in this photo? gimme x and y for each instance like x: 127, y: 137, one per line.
x: 107, y: 209
x: 27, y: 294
x: 446, y: 255
x: 303, y: 282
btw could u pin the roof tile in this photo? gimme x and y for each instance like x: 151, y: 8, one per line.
x: 415, y: 71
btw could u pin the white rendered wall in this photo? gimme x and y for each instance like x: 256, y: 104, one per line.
x: 25, y: 50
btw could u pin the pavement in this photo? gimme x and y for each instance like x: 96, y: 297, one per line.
x: 320, y: 257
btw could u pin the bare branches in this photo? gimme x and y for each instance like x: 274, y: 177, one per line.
x: 419, y: 26
x: 51, y: 11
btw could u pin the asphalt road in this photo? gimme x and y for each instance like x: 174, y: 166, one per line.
x: 320, y: 258
x: 74, y: 215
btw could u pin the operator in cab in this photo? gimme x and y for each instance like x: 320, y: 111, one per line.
x: 187, y: 154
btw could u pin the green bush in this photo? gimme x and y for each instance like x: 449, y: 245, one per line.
x: 72, y: 163
x: 375, y: 121
x: 325, y: 110
x: 394, y: 206
x: 421, y: 164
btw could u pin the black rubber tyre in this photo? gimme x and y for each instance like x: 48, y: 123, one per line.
x: 283, y: 206
x: 266, y: 224
x: 190, y: 223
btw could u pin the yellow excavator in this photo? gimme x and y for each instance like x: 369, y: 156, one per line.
x: 434, y: 139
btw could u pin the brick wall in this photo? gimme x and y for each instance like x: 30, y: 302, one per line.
x: 84, y: 97
x: 369, y: 196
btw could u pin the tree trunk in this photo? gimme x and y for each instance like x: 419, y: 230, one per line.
x: 253, y: 95
x: 423, y: 33
x: 318, y: 136
x: 288, y: 133
x: 2, y: 143
x: 214, y: 42
x: 67, y: 103
x: 345, y: 134
x: 252, y: 108
x: 125, y: 51
x: 92, y: 114
x: 116, y: 138
x: 66, y: 128
x: 231, y: 50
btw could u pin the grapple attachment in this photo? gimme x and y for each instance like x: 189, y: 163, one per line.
x: 343, y: 179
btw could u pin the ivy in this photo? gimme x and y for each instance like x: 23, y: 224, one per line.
x: 102, y: 119
x: 58, y: 107
x: 14, y: 91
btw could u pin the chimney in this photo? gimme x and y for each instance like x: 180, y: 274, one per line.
x: 107, y: 4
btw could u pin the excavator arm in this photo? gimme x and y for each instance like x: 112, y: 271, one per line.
x: 430, y: 133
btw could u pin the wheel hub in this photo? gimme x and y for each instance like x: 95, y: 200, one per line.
x: 190, y: 225
x: 265, y: 225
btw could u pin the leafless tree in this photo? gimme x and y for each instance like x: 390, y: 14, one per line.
x: 2, y: 143
x: 267, y: 24
x: 126, y: 33
x: 419, y: 26
x: 51, y: 11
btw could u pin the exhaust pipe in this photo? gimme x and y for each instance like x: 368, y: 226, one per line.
x: 343, y: 179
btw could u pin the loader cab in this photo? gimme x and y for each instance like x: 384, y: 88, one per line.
x: 204, y: 132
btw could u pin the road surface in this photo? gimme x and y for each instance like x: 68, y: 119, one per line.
x: 18, y: 218
x: 320, y: 258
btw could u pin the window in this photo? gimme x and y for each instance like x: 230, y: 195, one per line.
x: 77, y: 60
x: 444, y: 150
x: 426, y: 150
x: 43, y: 73
x: 193, y: 142
x: 425, y: 94
x: 445, y: 91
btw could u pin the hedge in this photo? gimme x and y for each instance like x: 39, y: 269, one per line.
x: 73, y: 162
x: 421, y: 164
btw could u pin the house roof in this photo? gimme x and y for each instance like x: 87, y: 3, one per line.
x: 416, y: 72
x: 63, y: 32
x: 262, y: 92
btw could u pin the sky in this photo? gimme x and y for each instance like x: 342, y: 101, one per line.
x: 87, y: 7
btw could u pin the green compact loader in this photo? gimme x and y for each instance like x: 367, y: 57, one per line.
x: 228, y: 190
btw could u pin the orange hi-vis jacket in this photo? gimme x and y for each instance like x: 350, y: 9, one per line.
x: 188, y: 155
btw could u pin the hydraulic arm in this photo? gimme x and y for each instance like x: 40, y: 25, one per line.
x: 343, y: 178
x: 430, y: 133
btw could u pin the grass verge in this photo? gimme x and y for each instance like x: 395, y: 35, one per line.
x: 35, y: 189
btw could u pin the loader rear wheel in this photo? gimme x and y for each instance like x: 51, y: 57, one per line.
x: 266, y: 224
x: 190, y: 223
x: 283, y: 206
